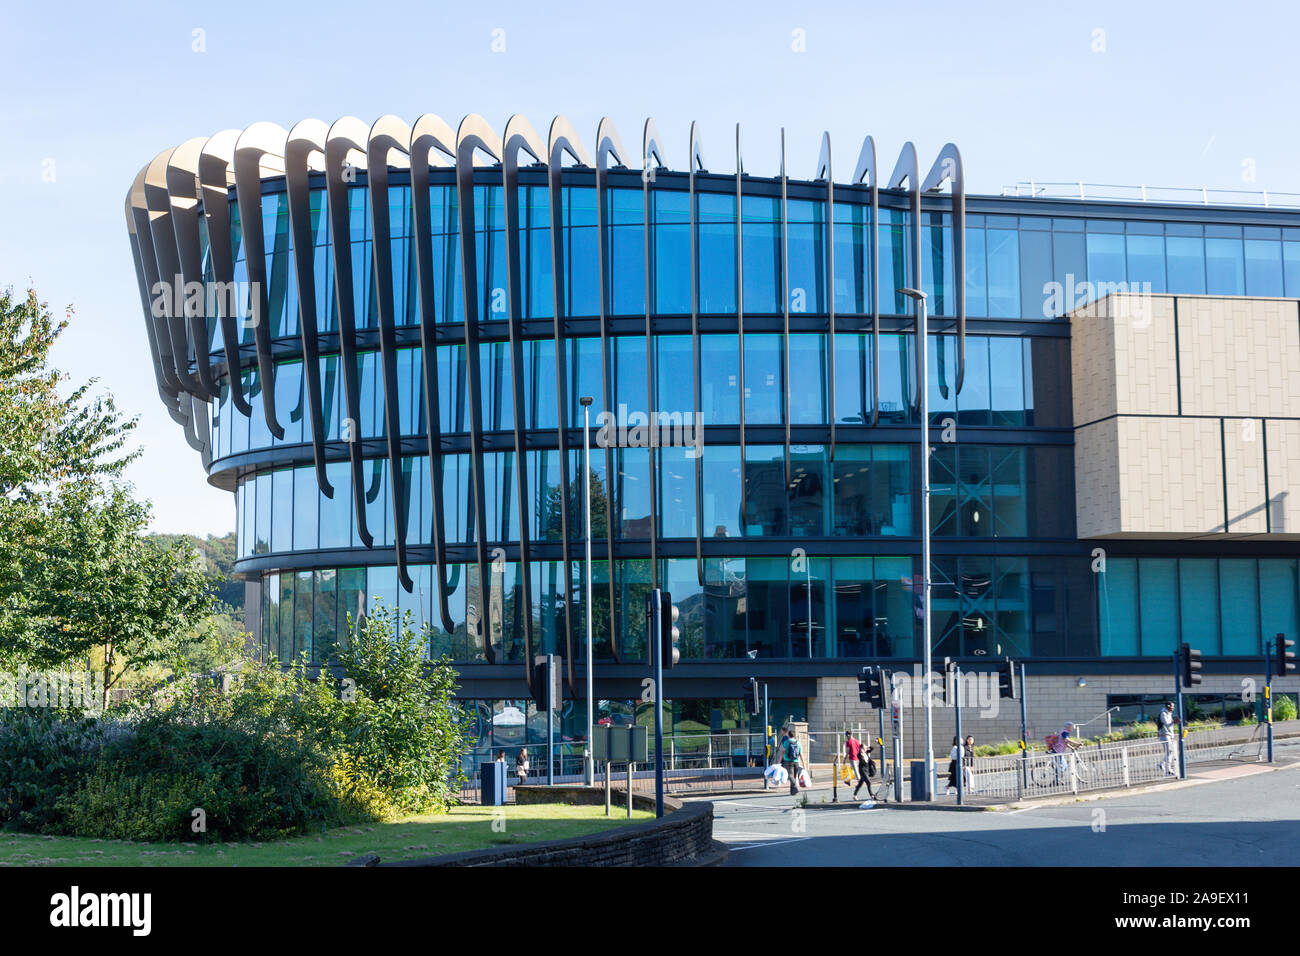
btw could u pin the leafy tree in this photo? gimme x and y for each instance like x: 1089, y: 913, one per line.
x: 45, y: 438
x: 80, y: 575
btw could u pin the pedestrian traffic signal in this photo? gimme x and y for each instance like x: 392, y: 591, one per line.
x: 871, y: 686
x: 1007, y: 686
x: 539, y: 682
x: 1191, y: 665
x: 1285, y: 657
x: 751, y: 691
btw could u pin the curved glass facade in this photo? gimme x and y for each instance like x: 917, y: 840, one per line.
x: 779, y: 501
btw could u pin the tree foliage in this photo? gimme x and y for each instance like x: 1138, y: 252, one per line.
x: 46, y: 438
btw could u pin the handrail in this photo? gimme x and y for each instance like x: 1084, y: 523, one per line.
x: 1190, y: 195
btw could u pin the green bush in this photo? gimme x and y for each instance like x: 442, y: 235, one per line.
x: 1284, y: 707
x: 43, y: 753
x: 248, y: 781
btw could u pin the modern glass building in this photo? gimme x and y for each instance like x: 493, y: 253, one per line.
x: 377, y: 337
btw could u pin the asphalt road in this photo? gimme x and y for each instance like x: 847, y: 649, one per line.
x: 1242, y: 817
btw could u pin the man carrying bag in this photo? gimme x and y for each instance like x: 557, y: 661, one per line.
x: 792, y: 760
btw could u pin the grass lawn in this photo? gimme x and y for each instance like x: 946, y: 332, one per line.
x: 465, y: 828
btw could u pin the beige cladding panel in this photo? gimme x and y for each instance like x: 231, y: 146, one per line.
x: 1239, y: 356
x: 1243, y: 456
x: 1096, y: 468
x: 1092, y: 360
x: 1146, y: 364
x: 1283, y: 439
x: 1170, y: 475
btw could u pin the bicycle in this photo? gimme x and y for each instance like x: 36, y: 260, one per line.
x: 1048, y: 773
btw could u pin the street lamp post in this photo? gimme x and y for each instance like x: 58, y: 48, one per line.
x: 589, y: 766
x: 922, y: 387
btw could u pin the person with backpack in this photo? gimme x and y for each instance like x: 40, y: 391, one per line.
x: 859, y: 756
x: 792, y: 759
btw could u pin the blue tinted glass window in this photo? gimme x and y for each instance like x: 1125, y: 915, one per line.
x: 717, y: 250
x: 585, y: 378
x: 720, y: 379
x: 539, y: 384
x: 676, y: 492
x: 672, y: 252
x: 336, y: 512
x: 809, y: 491
x: 937, y: 263
x: 764, y: 380
x: 1224, y: 269
x: 1263, y: 267
x: 1006, y: 375
x: 675, y: 374
x: 761, y: 248
x: 1003, y: 273
x: 852, y: 378
x: 1185, y: 256
x: 1277, y: 598
x: 722, y: 491
x: 1035, y: 273
x: 1117, y: 608
x: 973, y: 401
x: 1239, y: 602
x: 581, y: 263
x: 632, y: 492
x: 630, y: 387
x: 305, y: 504
x: 895, y: 379
x: 535, y: 248
x: 807, y: 386
x: 1291, y: 268
x: 1106, y: 259
x: 1146, y: 262
x: 977, y: 274
x: 282, y: 512
x: 765, y: 491
x: 1198, y: 589
x: 1069, y: 263
x: 806, y: 237
x: 895, y: 260
x: 263, y: 542
x: 852, y: 255
x: 626, y: 259
x: 1158, y: 605
x: 496, y: 386
x: 941, y: 381
x: 490, y: 243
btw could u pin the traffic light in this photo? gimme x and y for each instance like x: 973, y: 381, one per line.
x: 751, y: 691
x: 668, y: 632
x: 871, y: 686
x: 1007, y: 686
x: 539, y: 682
x: 1191, y: 660
x: 1285, y: 657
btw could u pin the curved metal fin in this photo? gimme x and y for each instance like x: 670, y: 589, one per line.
x: 948, y: 167
x: 866, y: 169
x: 216, y: 176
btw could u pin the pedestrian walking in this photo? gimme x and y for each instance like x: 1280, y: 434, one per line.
x: 1165, y: 727
x: 859, y: 758
x: 968, y: 763
x: 792, y: 759
x: 521, y: 766
x: 953, y: 757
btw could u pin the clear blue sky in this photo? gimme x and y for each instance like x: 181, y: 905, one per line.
x: 1183, y: 95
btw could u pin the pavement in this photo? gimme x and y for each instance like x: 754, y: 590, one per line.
x: 1222, y: 815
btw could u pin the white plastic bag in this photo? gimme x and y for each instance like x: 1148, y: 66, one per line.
x: 805, y: 778
x: 776, y: 774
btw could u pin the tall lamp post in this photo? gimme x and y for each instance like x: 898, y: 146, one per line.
x: 922, y: 387
x: 588, y: 762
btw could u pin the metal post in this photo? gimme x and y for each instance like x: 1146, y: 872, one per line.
x: 656, y: 637
x: 607, y: 787
x: 897, y: 747
x: 1024, y: 733
x: 1268, y: 695
x: 922, y: 388
x: 961, y: 741
x: 630, y: 766
x: 550, y: 720
x: 586, y: 478
x: 1178, y: 689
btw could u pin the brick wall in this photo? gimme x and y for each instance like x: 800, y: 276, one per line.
x: 682, y: 837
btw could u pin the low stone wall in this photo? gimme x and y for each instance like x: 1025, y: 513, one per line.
x: 682, y: 837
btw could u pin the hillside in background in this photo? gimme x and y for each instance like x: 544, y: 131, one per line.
x: 218, y: 555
